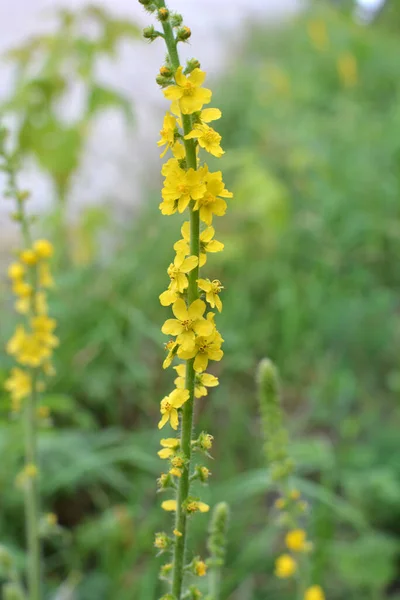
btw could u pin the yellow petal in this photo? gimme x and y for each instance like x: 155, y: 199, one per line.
x: 196, y: 77
x: 174, y: 92
x: 169, y: 505
x: 203, y: 507
x: 196, y: 310
x: 172, y: 326
x: 165, y: 453
x: 180, y: 311
x: 204, y: 284
x: 203, y: 327
x: 174, y: 419
x: 181, y: 370
x: 163, y: 421
x: 209, y: 380
x: 180, y: 77
x: 210, y: 114
x: 179, y: 397
x: 200, y: 363
x: 189, y: 264
x: 207, y: 234
x: 170, y: 442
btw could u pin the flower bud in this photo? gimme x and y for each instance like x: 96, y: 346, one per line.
x: 165, y: 71
x: 183, y: 34
x: 176, y: 20
x: 191, y: 65
x: 163, y: 81
x: 163, y: 14
x: 149, y: 33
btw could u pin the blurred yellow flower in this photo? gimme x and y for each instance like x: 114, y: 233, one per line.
x: 285, y: 566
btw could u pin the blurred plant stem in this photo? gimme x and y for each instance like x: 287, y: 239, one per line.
x: 32, y: 495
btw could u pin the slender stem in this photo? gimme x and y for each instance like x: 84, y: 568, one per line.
x: 193, y: 294
x: 31, y: 489
x: 32, y: 496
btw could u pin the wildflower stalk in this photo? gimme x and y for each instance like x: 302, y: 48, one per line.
x: 31, y: 346
x: 193, y: 294
x: 190, y: 188
x: 294, y: 562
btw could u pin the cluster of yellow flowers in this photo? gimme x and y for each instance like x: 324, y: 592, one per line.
x: 287, y: 564
x: 33, y: 342
x: 194, y: 330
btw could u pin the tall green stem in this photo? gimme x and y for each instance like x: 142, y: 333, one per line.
x: 32, y: 496
x: 193, y: 294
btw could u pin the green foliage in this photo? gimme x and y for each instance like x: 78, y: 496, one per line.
x: 48, y: 70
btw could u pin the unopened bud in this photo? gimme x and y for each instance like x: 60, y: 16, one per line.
x: 165, y: 71
x: 163, y: 14
x: 149, y: 33
x: 183, y: 34
x: 191, y: 65
x: 176, y: 20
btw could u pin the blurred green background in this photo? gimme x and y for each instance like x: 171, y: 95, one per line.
x: 311, y: 129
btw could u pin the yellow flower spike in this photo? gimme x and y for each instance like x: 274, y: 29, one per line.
x: 43, y: 249
x: 169, y: 505
x: 180, y: 187
x: 187, y: 91
x: 29, y: 257
x: 189, y: 322
x: 315, y: 592
x: 207, y: 138
x: 296, y: 540
x: 212, y: 289
x: 285, y: 566
x: 16, y: 271
x: 169, y: 407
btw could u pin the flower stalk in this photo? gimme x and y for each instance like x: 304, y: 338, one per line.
x: 31, y: 346
x: 293, y: 563
x: 189, y: 189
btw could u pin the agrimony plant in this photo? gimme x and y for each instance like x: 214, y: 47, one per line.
x: 294, y: 562
x: 190, y: 189
x: 31, y: 346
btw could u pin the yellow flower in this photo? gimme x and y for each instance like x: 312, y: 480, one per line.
x: 280, y: 503
x: 178, y: 269
x: 296, y: 540
x: 161, y: 541
x: 188, y: 322
x: 22, y: 289
x: 177, y: 533
x: 29, y: 257
x: 187, y: 91
x: 207, y: 243
x: 19, y: 384
x: 318, y: 34
x: 211, y: 203
x: 206, y: 348
x: 315, y: 592
x: 43, y: 249
x: 43, y: 328
x: 15, y: 343
x: 24, y: 305
x: 195, y: 506
x: 200, y: 568
x: 51, y: 519
x: 285, y: 566
x: 294, y: 495
x: 167, y: 133
x: 45, y: 278
x: 202, y: 381
x: 16, y: 271
x: 348, y: 69
x: 179, y: 188
x: 169, y: 406
x: 212, y: 289
x: 177, y: 464
x: 30, y: 470
x: 169, y: 505
x: 172, y: 348
x: 208, y: 138
x: 169, y: 447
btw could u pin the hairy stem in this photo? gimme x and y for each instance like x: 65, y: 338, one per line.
x: 193, y: 294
